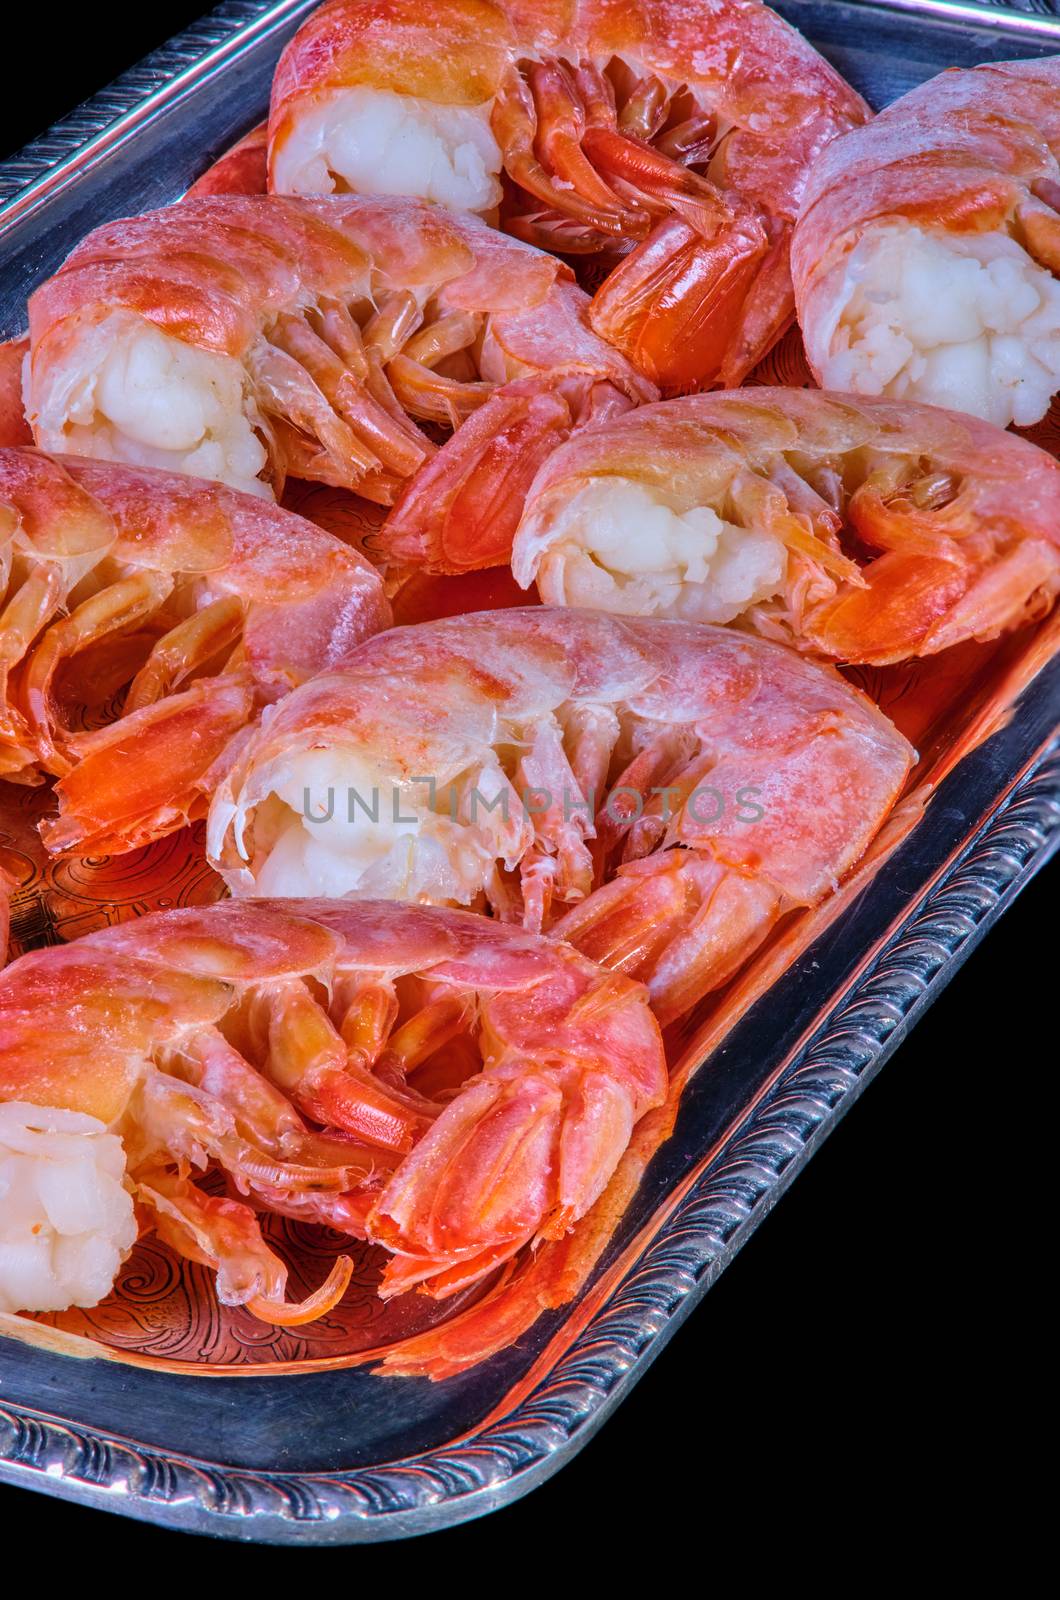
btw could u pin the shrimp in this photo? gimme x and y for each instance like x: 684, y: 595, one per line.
x: 671, y: 788
x: 863, y: 530
x: 446, y: 1087
x: 169, y: 611
x: 245, y: 338
x: 668, y: 142
x: 927, y: 255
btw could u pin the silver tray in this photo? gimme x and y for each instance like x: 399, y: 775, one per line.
x: 335, y: 1456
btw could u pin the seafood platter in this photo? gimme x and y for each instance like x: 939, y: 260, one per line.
x: 528, y: 646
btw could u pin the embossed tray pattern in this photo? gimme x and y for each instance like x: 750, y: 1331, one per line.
x: 390, y: 1458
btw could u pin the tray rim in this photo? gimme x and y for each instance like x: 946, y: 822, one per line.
x: 499, y: 1461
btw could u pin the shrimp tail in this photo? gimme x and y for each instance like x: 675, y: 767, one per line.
x: 460, y: 512
x: 541, y: 1280
x: 670, y: 306
x: 110, y: 804
x: 926, y: 595
x: 514, y: 1158
x: 507, y: 1310
x: 680, y: 922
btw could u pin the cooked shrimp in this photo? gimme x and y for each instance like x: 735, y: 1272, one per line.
x: 168, y: 610
x: 518, y: 759
x: 864, y: 530
x: 673, y: 139
x: 927, y: 253
x: 245, y: 338
x: 476, y: 1088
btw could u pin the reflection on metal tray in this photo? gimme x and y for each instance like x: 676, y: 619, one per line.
x: 109, y: 1406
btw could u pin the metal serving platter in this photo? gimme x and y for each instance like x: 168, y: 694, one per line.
x: 189, y: 1424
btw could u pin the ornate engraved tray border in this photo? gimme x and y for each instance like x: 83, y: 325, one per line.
x: 995, y: 821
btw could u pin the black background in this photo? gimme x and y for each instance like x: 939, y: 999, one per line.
x: 851, y: 1398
